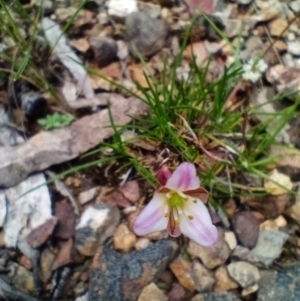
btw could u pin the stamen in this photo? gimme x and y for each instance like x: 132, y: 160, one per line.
x: 167, y: 214
x: 177, y: 223
x: 194, y: 201
x: 190, y: 217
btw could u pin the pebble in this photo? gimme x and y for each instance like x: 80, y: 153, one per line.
x: 293, y: 47
x: 145, y: 35
x: 105, y: 50
x: 213, y: 256
x: 203, y: 278
x: 124, y: 239
x: 223, y: 281
x: 295, y: 6
x: 243, y: 2
x: 294, y: 210
x: 142, y: 243
x: 269, y: 245
x: 86, y: 196
x: 152, y: 292
x: 121, y: 8
x: 277, y: 27
x: 216, y: 297
x: 250, y: 290
x: 66, y: 220
x: 244, y: 254
x: 182, y: 269
x: 280, y: 285
x: 18, y: 277
x: 231, y: 240
x: 118, y: 277
x: 97, y: 223
x: 246, y: 228
x: 243, y: 273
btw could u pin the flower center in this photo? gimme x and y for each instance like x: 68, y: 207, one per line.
x: 175, y: 200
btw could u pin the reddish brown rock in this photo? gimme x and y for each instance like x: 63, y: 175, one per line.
x: 40, y: 235
x: 246, y: 228
x: 270, y: 206
x: 67, y: 254
x: 66, y: 221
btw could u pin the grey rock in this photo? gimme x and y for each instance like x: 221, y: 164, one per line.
x: 122, y: 277
x: 246, y: 228
x: 295, y: 6
x: 280, y: 285
x: 294, y: 47
x: 97, y: 223
x: 145, y: 35
x: 243, y: 2
x: 105, y: 50
x: 152, y: 10
x: 244, y: 273
x: 244, y: 254
x: 269, y: 245
x: 216, y: 297
x: 203, y: 278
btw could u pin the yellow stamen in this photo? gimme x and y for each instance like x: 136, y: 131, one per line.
x: 167, y: 214
x: 195, y: 201
x: 190, y: 217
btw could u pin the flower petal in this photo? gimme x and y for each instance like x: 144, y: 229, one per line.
x: 152, y: 218
x: 163, y: 175
x: 195, y: 223
x: 199, y: 193
x: 184, y: 178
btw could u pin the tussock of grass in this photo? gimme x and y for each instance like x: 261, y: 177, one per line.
x: 189, y: 117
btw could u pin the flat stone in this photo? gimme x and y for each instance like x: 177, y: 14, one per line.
x: 124, y: 239
x: 243, y: 2
x: 244, y: 254
x: 97, y: 223
x: 293, y: 47
x: 246, y: 228
x: 88, y: 195
x: 277, y: 27
x: 203, y: 278
x: 121, y: 8
x: 66, y: 220
x: 182, y: 269
x: 244, y: 273
x: 280, y: 285
x: 152, y: 292
x: 122, y: 277
x: 294, y: 210
x: 213, y: 256
x: 216, y: 297
x: 269, y: 245
x: 223, y: 280
x: 295, y: 6
x: 145, y: 35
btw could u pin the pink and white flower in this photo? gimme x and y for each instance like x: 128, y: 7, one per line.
x: 178, y: 206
